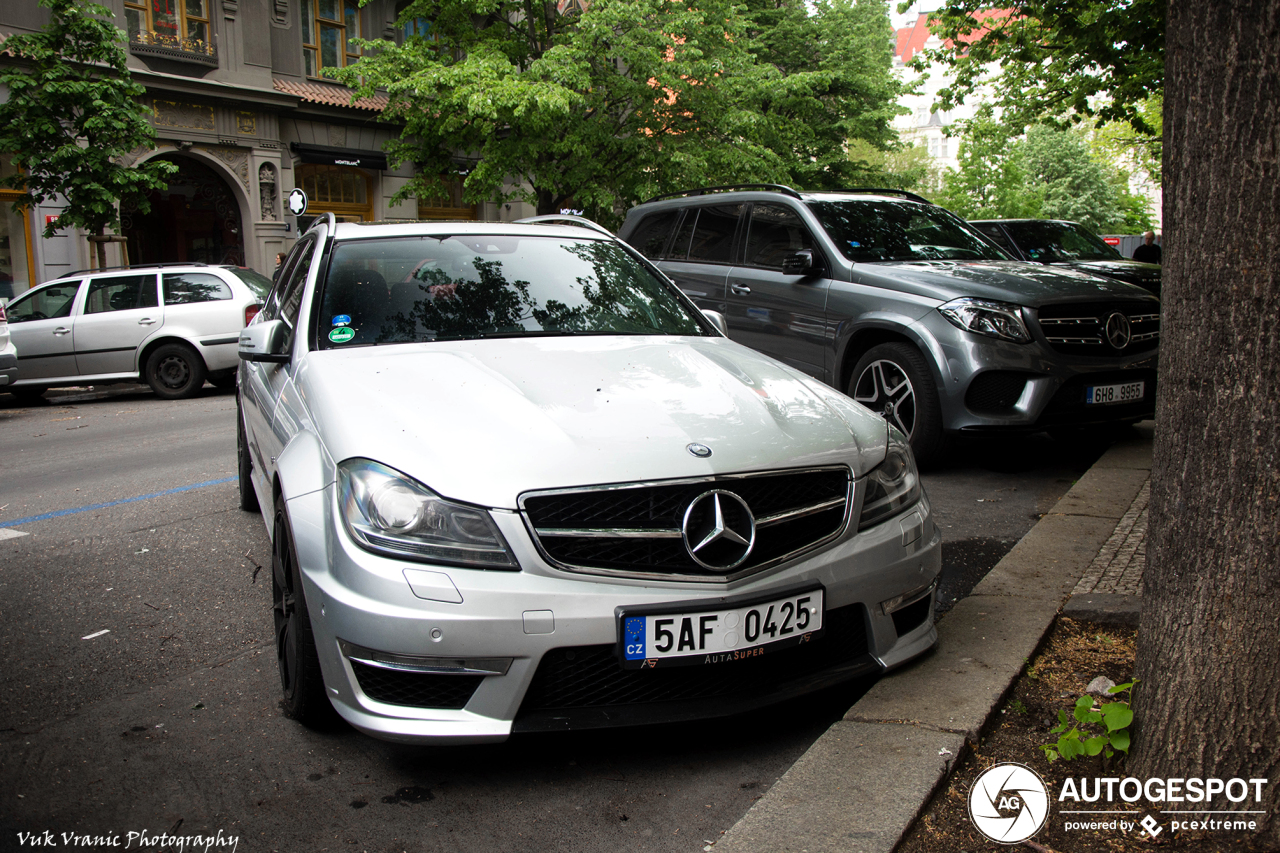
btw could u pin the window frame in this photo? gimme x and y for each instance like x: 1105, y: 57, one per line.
x: 313, y: 63
x: 748, y: 223
x: 185, y: 40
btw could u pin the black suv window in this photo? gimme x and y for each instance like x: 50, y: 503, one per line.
x: 996, y: 234
x: 651, y: 234
x: 870, y: 231
x: 1047, y: 242
x: 713, y: 236
x: 775, y: 233
x: 120, y: 293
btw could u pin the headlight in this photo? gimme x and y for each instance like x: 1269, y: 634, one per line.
x: 387, y: 512
x: 892, y: 486
x: 993, y: 319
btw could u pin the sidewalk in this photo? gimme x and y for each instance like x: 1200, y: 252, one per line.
x: 862, y: 784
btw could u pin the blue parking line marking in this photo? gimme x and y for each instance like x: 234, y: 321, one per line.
x: 62, y: 512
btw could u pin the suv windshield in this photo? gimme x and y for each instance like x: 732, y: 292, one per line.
x: 869, y: 231
x: 414, y: 289
x: 1047, y: 242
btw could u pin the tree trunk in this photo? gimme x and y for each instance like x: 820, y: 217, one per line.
x: 1209, y: 644
x: 546, y: 203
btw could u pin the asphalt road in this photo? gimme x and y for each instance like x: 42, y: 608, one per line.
x: 168, y: 721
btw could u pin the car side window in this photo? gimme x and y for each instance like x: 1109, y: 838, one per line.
x: 713, y: 237
x: 996, y: 233
x: 680, y: 245
x: 52, y: 301
x: 650, y: 236
x: 775, y: 233
x: 290, y: 298
x: 121, y: 293
x: 185, y: 288
x: 271, y: 308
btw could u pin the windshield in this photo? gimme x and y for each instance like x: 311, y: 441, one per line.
x: 1047, y: 242
x: 256, y: 281
x: 414, y: 289
x: 868, y: 231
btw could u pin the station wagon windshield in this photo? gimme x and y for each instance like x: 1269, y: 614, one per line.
x: 416, y: 289
x: 870, y: 231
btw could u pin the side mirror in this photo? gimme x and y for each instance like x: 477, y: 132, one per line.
x: 264, y: 342
x: 717, y: 320
x: 799, y: 263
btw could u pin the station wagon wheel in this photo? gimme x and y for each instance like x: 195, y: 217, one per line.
x: 300, y: 679
x: 893, y: 380
x: 174, y: 371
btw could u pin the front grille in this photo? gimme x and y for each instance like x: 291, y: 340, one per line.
x: 1080, y: 328
x: 591, y: 676
x: 415, y: 689
x: 636, y: 530
x: 995, y: 392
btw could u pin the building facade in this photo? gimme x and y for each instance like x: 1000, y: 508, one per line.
x: 240, y: 105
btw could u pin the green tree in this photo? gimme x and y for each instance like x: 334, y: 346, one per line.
x: 904, y: 167
x: 1118, y: 141
x: 73, y: 113
x: 991, y: 179
x: 1067, y: 181
x: 1100, y: 59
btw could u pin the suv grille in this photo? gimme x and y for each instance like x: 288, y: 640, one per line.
x: 635, y: 530
x: 1080, y: 328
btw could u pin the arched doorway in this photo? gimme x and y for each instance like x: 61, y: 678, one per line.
x: 195, y: 219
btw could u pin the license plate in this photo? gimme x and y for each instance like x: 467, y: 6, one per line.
x: 1126, y: 392
x: 721, y: 635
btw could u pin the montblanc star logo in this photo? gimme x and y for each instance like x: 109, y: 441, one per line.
x: 719, y: 530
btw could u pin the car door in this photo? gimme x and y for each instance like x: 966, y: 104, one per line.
x: 118, y: 314
x: 780, y: 314
x: 262, y: 382
x: 41, y: 330
x: 702, y: 251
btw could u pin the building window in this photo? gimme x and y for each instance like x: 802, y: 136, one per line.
x: 327, y: 27
x: 340, y: 190
x: 180, y: 25
x: 448, y: 206
x: 16, y: 262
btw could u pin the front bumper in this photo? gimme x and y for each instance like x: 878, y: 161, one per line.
x: 480, y: 644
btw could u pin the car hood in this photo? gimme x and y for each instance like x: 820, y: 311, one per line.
x: 1135, y: 272
x: 484, y: 421
x: 1033, y: 285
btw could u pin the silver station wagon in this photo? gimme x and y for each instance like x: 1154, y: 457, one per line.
x: 516, y: 481
x: 172, y: 326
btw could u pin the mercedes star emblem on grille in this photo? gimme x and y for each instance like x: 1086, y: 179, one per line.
x: 1118, y: 331
x: 718, y: 530
x: 699, y: 450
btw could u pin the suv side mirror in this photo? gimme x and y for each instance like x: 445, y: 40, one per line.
x: 717, y: 320
x: 799, y: 263
x: 264, y: 342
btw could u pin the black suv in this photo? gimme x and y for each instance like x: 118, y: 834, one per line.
x: 1067, y: 244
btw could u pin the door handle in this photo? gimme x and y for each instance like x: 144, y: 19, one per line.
x: 146, y: 321
x: 740, y: 289
x: 61, y: 330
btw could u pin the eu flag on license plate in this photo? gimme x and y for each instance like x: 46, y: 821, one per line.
x: 633, y: 642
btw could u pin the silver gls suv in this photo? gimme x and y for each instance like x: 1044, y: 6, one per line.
x: 516, y: 481
x: 908, y: 309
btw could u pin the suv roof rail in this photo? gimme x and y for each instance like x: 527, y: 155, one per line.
x: 326, y: 217
x: 550, y: 218
x: 777, y: 188
x: 885, y: 191
x: 133, y: 267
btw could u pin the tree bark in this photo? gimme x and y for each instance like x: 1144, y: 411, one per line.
x: 1209, y: 644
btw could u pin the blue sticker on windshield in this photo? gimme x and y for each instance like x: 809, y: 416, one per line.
x: 855, y: 244
x: 341, y: 320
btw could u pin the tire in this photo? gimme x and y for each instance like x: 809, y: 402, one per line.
x: 244, y: 465
x: 224, y: 381
x: 894, y: 381
x: 175, y: 371
x: 28, y: 395
x: 301, y: 681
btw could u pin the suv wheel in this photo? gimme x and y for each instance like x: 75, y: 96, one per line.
x: 300, y: 677
x: 175, y: 371
x: 894, y: 381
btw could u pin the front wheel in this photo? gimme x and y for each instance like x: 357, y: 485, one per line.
x: 894, y: 381
x: 300, y: 678
x: 175, y: 371
x: 244, y: 464
x: 28, y: 395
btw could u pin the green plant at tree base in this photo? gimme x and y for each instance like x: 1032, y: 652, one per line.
x: 1083, y: 737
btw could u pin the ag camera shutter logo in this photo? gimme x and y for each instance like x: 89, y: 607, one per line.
x: 1009, y: 803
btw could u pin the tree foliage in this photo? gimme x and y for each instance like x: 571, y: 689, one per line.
x: 1100, y: 59
x: 73, y: 112
x: 989, y: 181
x: 607, y: 104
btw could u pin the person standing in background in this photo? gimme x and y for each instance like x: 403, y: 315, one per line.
x: 279, y: 263
x: 1149, y: 252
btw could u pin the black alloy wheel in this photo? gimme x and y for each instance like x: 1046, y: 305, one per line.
x: 244, y: 464
x: 175, y: 371
x: 300, y: 678
x: 894, y: 381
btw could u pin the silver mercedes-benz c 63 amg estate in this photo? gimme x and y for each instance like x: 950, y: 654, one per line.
x: 516, y: 481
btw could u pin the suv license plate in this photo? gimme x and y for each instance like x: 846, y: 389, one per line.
x: 720, y: 636
x: 1127, y: 392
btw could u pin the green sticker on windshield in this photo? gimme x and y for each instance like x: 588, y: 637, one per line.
x: 342, y: 334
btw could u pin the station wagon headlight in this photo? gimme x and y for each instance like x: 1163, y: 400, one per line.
x: 982, y: 317
x: 892, y: 486
x: 389, y: 513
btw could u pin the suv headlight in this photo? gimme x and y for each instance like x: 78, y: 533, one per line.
x: 993, y: 319
x: 893, y: 485
x: 389, y: 513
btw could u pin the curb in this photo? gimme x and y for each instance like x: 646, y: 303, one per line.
x: 864, y: 782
